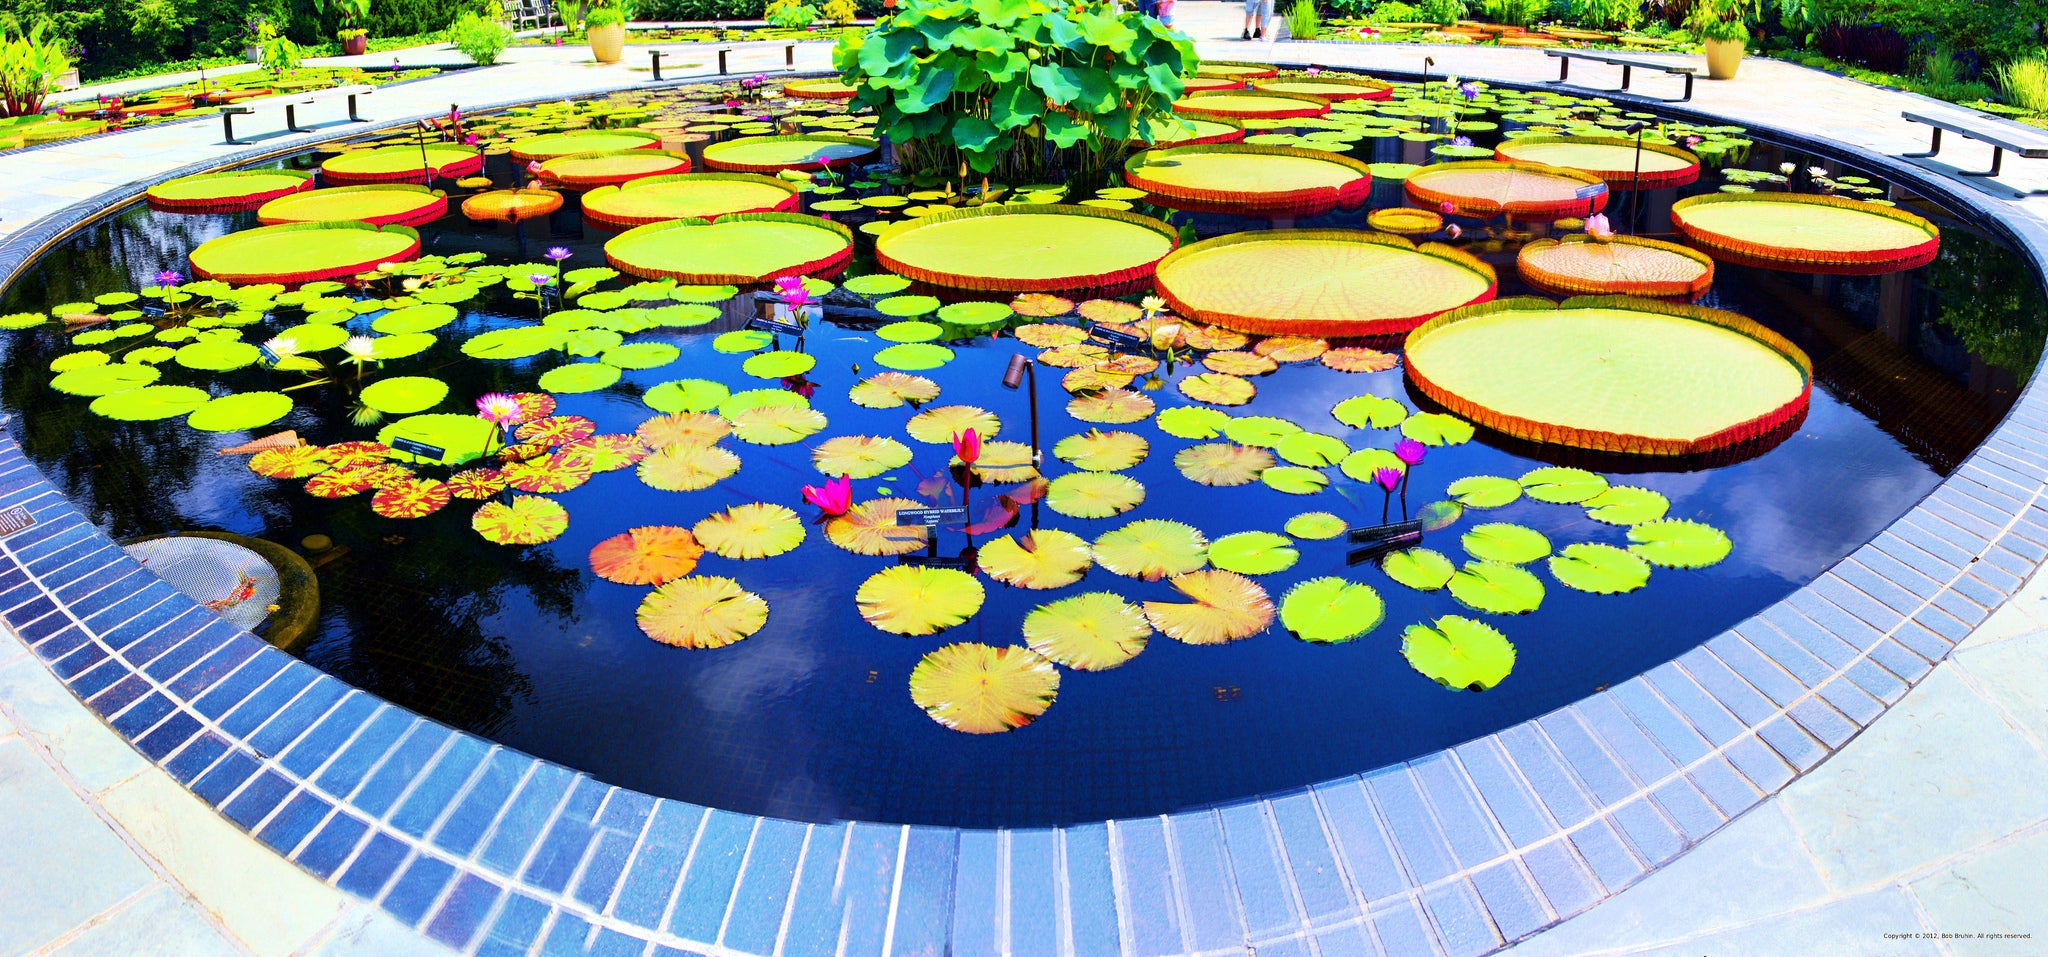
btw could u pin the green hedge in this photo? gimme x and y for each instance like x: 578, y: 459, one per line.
x: 122, y: 36
x: 1996, y: 31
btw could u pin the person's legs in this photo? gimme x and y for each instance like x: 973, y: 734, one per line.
x: 1251, y: 11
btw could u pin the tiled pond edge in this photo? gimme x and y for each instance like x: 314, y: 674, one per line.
x: 1458, y: 852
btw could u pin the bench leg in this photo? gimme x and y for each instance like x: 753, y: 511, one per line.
x: 1688, y: 88
x: 1564, y: 69
x: 291, y: 119
x: 722, y: 71
x: 352, y: 117
x: 227, y: 128
x: 789, y: 56
x: 1997, y: 158
x: 1932, y: 148
x: 1625, y: 68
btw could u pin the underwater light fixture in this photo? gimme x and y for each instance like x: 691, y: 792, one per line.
x: 1017, y: 373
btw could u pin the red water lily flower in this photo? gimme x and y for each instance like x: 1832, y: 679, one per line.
x: 967, y: 446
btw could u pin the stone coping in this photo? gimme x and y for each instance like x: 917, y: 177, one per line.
x: 1458, y: 852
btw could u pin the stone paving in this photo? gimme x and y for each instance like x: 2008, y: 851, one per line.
x: 1932, y: 821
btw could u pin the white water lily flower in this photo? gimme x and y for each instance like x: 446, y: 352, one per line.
x: 359, y: 347
x: 282, y: 346
x: 1786, y: 168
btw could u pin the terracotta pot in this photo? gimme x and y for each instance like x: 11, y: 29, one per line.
x: 1723, y: 56
x: 356, y: 45
x: 607, y: 42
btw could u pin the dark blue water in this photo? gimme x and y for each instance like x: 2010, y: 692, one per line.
x: 811, y: 717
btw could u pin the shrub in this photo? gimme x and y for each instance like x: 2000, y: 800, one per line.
x: 790, y: 14
x: 1606, y: 14
x: 602, y: 17
x: 1393, y: 11
x: 1874, y: 45
x: 29, y: 66
x: 2025, y: 83
x: 1999, y: 31
x: 1441, y: 11
x: 479, y: 39
x: 1514, y: 13
x: 1302, y: 22
x: 841, y: 11
x: 280, y: 55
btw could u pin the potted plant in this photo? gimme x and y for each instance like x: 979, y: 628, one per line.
x: 355, y: 40
x: 605, y: 27
x: 1723, y: 35
x: 256, y: 31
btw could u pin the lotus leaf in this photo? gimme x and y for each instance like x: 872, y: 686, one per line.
x: 404, y: 395
x: 686, y: 395
x: 1559, y: 485
x: 525, y: 520
x: 914, y: 356
x: 1193, y: 422
x: 1505, y: 542
x: 918, y: 599
x: 1419, y: 568
x: 687, y: 468
x: 648, y: 555
x: 869, y: 528
x: 1485, y: 491
x: 239, y: 411
x: 778, y: 365
x: 1225, y: 606
x: 412, y: 498
x: 1253, y: 553
x: 642, y: 355
x: 888, y: 390
x: 743, y: 340
x: 1371, y: 411
x: 1627, y: 505
x: 1359, y: 359
x: 289, y: 462
x: 938, y: 425
x: 1216, y: 388
x: 752, y: 530
x: 909, y: 330
x: 1223, y: 464
x: 1458, y: 653
x: 981, y: 689
x: 1437, y: 428
x: 776, y: 424
x: 1315, y: 526
x: 1312, y: 449
x: 1330, y: 610
x: 704, y: 611
x: 1094, y: 494
x: 425, y: 317
x: 1099, y: 451
x: 1152, y: 549
x: 1497, y: 587
x: 1678, y: 543
x: 213, y: 355
x: 859, y: 456
x: 150, y: 402
x: 1111, y: 407
x: 1093, y: 631
x: 1239, y: 363
x: 1039, y: 559
x: 103, y: 380
x: 1600, y: 569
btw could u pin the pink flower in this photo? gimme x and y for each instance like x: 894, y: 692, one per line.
x: 499, y: 408
x: 800, y: 385
x: 1410, y: 451
x: 1447, y: 207
x: 533, y: 168
x: 967, y: 446
x: 790, y: 289
x: 834, y: 499
x: 1597, y: 227
x: 1389, y: 479
x: 1314, y: 71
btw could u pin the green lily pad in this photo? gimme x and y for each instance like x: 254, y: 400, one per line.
x: 1559, y: 485
x: 1505, y: 542
x: 642, y: 355
x: 876, y: 284
x: 743, y: 340
x: 1370, y: 412
x: 686, y: 395
x: 1678, y: 543
x: 94, y: 337
x: 1422, y: 569
x: 682, y: 315
x: 704, y: 294
x: 461, y: 437
x: 1497, y: 587
x: 149, y: 355
x: 1329, y: 610
x: 150, y: 403
x: 81, y: 359
x: 1193, y: 422
x: 425, y: 317
x: 218, y: 355
x: 309, y: 337
x: 591, y: 274
x: 104, y: 379
x: 1312, y: 449
x: 976, y: 315
x: 1600, y: 569
x: 1315, y: 526
x: 1437, y: 428
x: 591, y: 342
x: 23, y: 320
x: 910, y: 330
x: 519, y: 342
x: 1294, y: 479
x: 242, y: 410
x: 1264, y: 431
x: 906, y: 306
x: 914, y: 356
x: 1485, y: 491
x: 778, y: 365
x: 404, y: 395
x: 1253, y: 553
x: 1458, y: 653
x: 579, y: 377
x: 1627, y: 505
x: 1364, y: 464
x: 756, y: 398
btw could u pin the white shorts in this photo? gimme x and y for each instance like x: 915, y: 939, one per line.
x: 1259, y: 8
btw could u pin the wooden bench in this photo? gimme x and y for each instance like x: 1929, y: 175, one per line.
x: 788, y: 59
x: 1628, y: 66
x: 1998, y: 134
x: 291, y: 110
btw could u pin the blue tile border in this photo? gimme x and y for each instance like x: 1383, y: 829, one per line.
x: 1458, y: 852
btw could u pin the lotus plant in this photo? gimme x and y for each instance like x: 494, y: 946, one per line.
x: 833, y: 499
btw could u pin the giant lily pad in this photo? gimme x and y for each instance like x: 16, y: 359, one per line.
x: 704, y: 611
x: 1677, y: 543
x: 1330, y: 610
x: 1224, y: 606
x: 1152, y: 549
x: 1040, y: 559
x: 525, y: 520
x: 1600, y: 569
x: 752, y: 530
x: 918, y: 599
x: 1253, y: 553
x: 980, y: 689
x: 1458, y: 653
x: 1093, y: 631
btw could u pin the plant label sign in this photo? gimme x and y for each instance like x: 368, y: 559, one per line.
x: 766, y: 324
x: 931, y: 517
x: 1118, y: 339
x: 1588, y: 192
x: 421, y: 449
x: 933, y: 561
x: 15, y: 519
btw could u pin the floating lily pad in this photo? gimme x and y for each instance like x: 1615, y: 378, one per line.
x: 1497, y: 587
x: 642, y: 355
x: 1437, y: 428
x: 150, y: 403
x: 462, y: 437
x: 425, y: 317
x: 1099, y: 451
x: 1678, y: 543
x: 918, y: 599
x: 743, y: 340
x: 404, y: 395
x: 242, y: 410
x: 907, y: 306
x: 703, y: 294
x: 1371, y: 411
x: 1093, y: 631
x: 1224, y: 606
x: 289, y: 462
x: 1216, y: 388
x: 1330, y: 610
x: 909, y: 330
x: 525, y: 520
x: 875, y: 284
x: 1152, y: 549
x: 869, y: 528
x: 1458, y: 653
x: 1505, y: 542
x: 1094, y: 494
x: 1311, y: 449
x: 687, y: 468
x: 776, y: 424
x: 1358, y: 359
x: 1294, y: 479
x: 1253, y: 553
x: 1039, y: 559
x: 217, y: 355
x: 1193, y: 422
x: 410, y: 498
x: 1222, y: 464
x: 1264, y: 431
x: 100, y: 380
x: 704, y: 611
x: 1239, y: 363
x: 1419, y: 568
x: 981, y: 689
x: 518, y: 342
x: 1111, y: 407
x: 778, y: 365
x: 1485, y: 491
x: 686, y: 395
x: 859, y: 456
x: 740, y: 402
x: 1364, y: 464
x: 752, y: 530
x: 914, y: 356
x: 1315, y: 526
x: 1559, y: 485
x: 1600, y: 569
x: 648, y: 555
x: 889, y: 390
x: 1627, y: 505
x: 938, y: 425
x: 579, y: 377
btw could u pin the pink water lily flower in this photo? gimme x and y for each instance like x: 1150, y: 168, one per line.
x: 967, y: 446
x: 1598, y: 227
x: 1388, y: 478
x: 1410, y: 451
x: 533, y: 168
x: 499, y: 408
x: 790, y: 289
x: 834, y: 499
x: 1447, y: 207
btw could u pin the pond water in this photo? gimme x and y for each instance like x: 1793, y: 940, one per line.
x: 811, y: 718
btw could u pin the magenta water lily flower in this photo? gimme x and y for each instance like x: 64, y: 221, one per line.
x: 790, y: 289
x: 558, y: 253
x: 1388, y: 478
x: 834, y: 499
x: 967, y: 446
x: 1410, y: 451
x: 499, y: 408
x: 1447, y: 207
x: 533, y: 167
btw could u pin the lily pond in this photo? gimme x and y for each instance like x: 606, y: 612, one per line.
x: 617, y: 521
